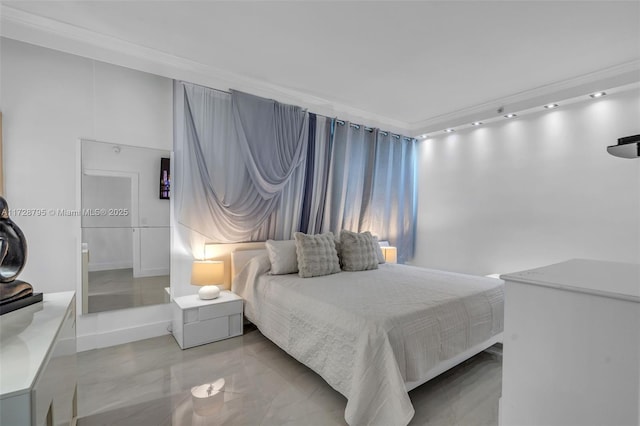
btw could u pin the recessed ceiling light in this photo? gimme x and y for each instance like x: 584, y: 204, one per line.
x: 476, y: 123
x: 449, y: 130
x: 425, y: 136
x: 551, y: 106
x: 597, y: 95
x: 510, y: 115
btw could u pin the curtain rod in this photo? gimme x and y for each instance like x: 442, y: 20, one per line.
x: 341, y: 122
x: 370, y: 129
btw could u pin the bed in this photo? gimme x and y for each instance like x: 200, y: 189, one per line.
x: 372, y: 335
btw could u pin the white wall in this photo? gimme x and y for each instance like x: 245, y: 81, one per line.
x: 531, y: 191
x: 49, y: 101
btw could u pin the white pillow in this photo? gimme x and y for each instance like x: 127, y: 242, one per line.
x: 282, y: 255
x: 317, y: 255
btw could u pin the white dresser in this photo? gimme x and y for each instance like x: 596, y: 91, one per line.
x: 38, y: 363
x: 572, y: 345
x: 197, y: 322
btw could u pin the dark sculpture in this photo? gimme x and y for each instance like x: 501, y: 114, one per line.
x: 13, y: 256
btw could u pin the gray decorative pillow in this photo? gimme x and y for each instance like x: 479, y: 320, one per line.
x: 282, y: 255
x: 316, y: 254
x: 358, y: 252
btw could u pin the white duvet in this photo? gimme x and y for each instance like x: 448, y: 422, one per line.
x: 367, y: 333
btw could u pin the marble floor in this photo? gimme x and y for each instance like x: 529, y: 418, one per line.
x: 118, y: 289
x: 150, y: 382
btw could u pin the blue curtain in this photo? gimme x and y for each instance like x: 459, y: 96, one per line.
x: 317, y: 179
x: 392, y: 209
x: 372, y: 186
x: 350, y: 174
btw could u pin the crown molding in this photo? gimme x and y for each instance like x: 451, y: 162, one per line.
x: 608, y: 78
x: 45, y: 32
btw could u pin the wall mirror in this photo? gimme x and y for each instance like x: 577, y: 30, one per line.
x: 125, y: 226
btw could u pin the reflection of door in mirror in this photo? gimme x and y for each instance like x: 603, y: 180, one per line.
x: 125, y: 228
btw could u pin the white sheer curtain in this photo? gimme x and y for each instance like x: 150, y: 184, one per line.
x: 239, y: 164
x: 372, y: 186
x: 392, y: 209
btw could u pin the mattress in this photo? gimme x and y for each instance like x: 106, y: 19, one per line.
x: 367, y: 333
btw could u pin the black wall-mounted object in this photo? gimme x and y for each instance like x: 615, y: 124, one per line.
x: 628, y: 147
x: 165, y: 178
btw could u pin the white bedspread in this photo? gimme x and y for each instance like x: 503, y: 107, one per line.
x: 368, y: 332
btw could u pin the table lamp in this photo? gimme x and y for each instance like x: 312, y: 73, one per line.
x: 207, y: 273
x: 390, y: 254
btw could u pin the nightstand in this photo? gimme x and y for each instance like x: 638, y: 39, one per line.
x: 197, y: 322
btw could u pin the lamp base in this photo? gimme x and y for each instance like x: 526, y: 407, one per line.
x: 208, y: 292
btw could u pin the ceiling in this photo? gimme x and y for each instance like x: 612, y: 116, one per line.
x: 404, y: 61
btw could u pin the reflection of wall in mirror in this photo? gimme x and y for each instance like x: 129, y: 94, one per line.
x: 146, y: 246
x: 154, y: 251
x: 111, y: 233
x: 115, y: 248
x: 144, y: 162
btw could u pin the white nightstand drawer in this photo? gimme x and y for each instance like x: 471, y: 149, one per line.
x: 220, y: 310
x: 198, y: 333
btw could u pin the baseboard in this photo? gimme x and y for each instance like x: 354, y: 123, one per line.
x: 123, y: 335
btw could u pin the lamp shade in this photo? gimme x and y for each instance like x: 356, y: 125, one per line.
x: 207, y: 272
x: 390, y: 254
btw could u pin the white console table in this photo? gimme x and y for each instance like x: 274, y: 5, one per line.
x: 38, y: 363
x: 572, y: 345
